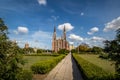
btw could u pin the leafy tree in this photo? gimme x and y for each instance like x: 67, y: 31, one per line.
x: 28, y: 50
x: 39, y: 51
x: 113, y: 48
x: 63, y: 51
x: 83, y: 47
x: 97, y: 50
x: 118, y: 35
x: 73, y: 51
x: 10, y: 58
x: 3, y: 31
x: 117, y: 56
x: 107, y: 46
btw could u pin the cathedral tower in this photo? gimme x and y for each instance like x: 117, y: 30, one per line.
x: 26, y: 46
x: 64, y: 33
x: 54, y: 34
x: 59, y: 43
x: 54, y: 40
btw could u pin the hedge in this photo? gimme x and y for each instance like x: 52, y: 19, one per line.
x: 43, y: 67
x: 41, y: 55
x: 25, y: 75
x: 91, y: 71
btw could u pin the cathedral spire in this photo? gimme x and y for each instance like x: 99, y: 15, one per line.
x: 54, y: 34
x: 54, y: 29
x: 64, y: 33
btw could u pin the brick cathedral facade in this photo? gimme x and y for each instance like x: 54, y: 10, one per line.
x: 60, y: 43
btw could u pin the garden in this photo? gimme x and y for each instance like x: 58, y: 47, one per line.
x: 41, y: 64
x: 95, y: 68
x: 29, y: 60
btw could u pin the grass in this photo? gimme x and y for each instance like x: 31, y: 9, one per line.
x: 91, y: 71
x: 106, y: 65
x: 43, y: 67
x: 29, y: 60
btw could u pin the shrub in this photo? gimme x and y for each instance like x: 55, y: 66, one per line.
x: 91, y: 71
x: 97, y: 50
x: 63, y: 51
x: 104, y: 56
x: 73, y: 51
x: 41, y: 55
x: 25, y: 75
x: 43, y: 67
x: 39, y: 51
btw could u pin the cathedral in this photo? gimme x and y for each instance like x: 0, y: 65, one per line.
x: 59, y: 43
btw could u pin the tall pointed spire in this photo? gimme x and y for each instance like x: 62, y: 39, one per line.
x: 54, y: 34
x: 54, y: 29
x: 64, y: 33
x: 64, y: 30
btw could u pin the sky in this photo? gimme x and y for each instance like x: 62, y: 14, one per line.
x: 86, y: 21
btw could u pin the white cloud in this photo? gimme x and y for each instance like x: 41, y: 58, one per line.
x: 93, y: 30
x: 71, y: 42
x: 75, y: 37
x: 15, y: 31
x: 43, y: 39
x: 39, y: 39
x: 95, y: 38
x: 42, y: 2
x: 113, y: 25
x: 67, y: 26
x: 41, y: 34
x: 81, y: 13
x: 90, y: 33
x: 94, y: 41
x: 55, y: 17
x: 21, y: 30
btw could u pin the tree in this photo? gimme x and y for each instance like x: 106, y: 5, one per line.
x: 118, y: 35
x: 3, y: 31
x: 73, y: 51
x: 107, y: 46
x: 97, y: 50
x: 117, y: 57
x: 10, y: 58
x: 28, y: 50
x: 113, y: 48
x: 63, y: 51
x: 83, y: 47
x: 39, y: 51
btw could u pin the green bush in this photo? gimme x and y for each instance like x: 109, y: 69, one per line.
x: 63, y: 51
x: 42, y: 54
x: 104, y: 55
x: 25, y: 75
x: 91, y: 71
x: 97, y: 50
x: 43, y: 67
x: 39, y: 51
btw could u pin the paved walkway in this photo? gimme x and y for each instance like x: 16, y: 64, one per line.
x: 65, y: 70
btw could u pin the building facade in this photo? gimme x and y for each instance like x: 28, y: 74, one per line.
x: 72, y: 47
x: 60, y: 43
x: 26, y: 46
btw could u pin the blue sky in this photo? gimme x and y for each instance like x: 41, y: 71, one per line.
x: 86, y: 21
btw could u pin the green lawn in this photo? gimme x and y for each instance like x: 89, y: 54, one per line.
x: 107, y: 65
x: 29, y: 60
